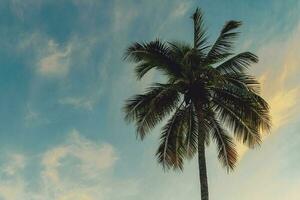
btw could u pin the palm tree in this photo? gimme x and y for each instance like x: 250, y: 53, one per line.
x: 207, y: 94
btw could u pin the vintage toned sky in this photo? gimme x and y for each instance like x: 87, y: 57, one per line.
x: 63, y: 83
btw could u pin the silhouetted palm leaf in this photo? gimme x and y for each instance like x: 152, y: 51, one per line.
x: 222, y: 48
x: 226, y: 148
x: 171, y: 151
x: 238, y: 63
x: 191, y: 139
x: 155, y: 54
x: 150, y: 108
x: 199, y: 30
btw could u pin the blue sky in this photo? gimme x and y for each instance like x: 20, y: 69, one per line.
x: 63, y: 83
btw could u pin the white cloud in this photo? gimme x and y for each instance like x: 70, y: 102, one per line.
x: 47, y: 57
x: 12, y: 187
x: 93, y: 158
x: 77, y: 169
x: 12, y: 190
x: 16, y: 163
x: 80, y: 102
x: 55, y: 62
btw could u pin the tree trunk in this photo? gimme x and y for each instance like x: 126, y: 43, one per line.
x: 202, y: 168
x: 201, y: 155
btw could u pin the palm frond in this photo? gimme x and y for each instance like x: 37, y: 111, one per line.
x: 148, y: 109
x: 191, y: 138
x: 171, y: 150
x: 226, y: 148
x: 155, y: 54
x: 242, y: 81
x: 179, y: 49
x: 243, y: 92
x: 223, y: 46
x: 238, y: 63
x: 233, y: 119
x: 249, y: 105
x: 199, y: 30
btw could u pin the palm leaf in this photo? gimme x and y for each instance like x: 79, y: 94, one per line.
x: 199, y: 30
x: 191, y: 139
x: 238, y: 63
x: 179, y: 50
x: 171, y: 150
x: 150, y: 108
x: 226, y: 148
x: 249, y: 105
x: 155, y: 54
x: 223, y: 46
x: 242, y: 81
x: 233, y: 119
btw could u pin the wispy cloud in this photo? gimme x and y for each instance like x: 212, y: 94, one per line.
x: 16, y: 162
x: 181, y: 9
x: 280, y: 82
x: 280, y: 66
x: 55, y: 62
x: 11, y: 183
x: 73, y: 170
x: 122, y: 16
x: 46, y: 57
x: 32, y: 117
x: 93, y: 158
x: 85, y: 101
x: 63, y: 62
x: 78, y: 102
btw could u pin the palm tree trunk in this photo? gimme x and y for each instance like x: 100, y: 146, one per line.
x: 202, y: 169
x: 201, y: 155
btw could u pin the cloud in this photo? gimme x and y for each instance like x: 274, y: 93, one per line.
x: 122, y: 16
x: 21, y: 8
x: 92, y: 158
x: 76, y: 169
x: 279, y: 80
x: 16, y: 163
x: 284, y: 106
x: 81, y: 102
x: 32, y: 117
x: 178, y: 11
x: 55, y: 62
x: 66, y: 63
x: 181, y: 9
x: 11, y: 185
x: 47, y: 57
x: 12, y: 190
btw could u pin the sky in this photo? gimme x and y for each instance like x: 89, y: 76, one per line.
x: 63, y: 83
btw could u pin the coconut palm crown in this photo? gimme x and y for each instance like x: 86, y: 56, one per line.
x: 208, y: 96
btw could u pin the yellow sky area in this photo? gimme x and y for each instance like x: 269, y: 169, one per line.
x: 280, y: 82
x: 75, y: 195
x: 282, y: 99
